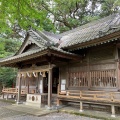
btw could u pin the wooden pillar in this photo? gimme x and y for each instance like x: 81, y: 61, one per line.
x: 19, y: 89
x: 49, y: 88
x: 7, y: 96
x: 3, y: 95
x: 28, y: 87
x: 117, y: 68
x: 113, y: 110
x: 81, y: 106
x: 88, y: 71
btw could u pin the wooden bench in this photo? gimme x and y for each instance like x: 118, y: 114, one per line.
x: 94, y: 97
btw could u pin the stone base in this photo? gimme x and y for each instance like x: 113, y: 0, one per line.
x: 48, y: 108
x: 33, y: 104
x: 113, y: 116
x: 53, y: 107
x: 80, y: 110
x: 19, y: 103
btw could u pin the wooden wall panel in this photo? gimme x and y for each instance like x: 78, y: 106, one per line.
x: 97, y: 70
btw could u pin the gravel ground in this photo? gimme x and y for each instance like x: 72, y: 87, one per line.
x: 6, y: 114
x: 54, y: 116
x: 2, y: 104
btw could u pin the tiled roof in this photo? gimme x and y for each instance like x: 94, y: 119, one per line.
x: 83, y: 34
x: 53, y: 37
x: 40, y: 38
x: 91, y: 31
x: 29, y: 53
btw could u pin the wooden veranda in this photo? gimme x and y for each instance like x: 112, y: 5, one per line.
x: 111, y: 99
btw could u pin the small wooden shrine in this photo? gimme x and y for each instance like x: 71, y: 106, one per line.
x: 83, y: 63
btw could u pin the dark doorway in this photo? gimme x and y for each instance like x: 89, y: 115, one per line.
x: 55, y: 79
x: 45, y: 83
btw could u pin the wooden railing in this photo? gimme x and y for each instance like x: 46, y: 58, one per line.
x: 15, y: 91
x: 105, y: 78
x: 77, y: 79
x: 101, y: 96
x: 97, y: 78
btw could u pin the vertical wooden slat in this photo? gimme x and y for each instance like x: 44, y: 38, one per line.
x: 79, y: 79
x: 105, y: 78
x: 116, y: 79
x: 100, y: 79
x: 94, y: 78
x: 90, y: 79
x: 111, y: 76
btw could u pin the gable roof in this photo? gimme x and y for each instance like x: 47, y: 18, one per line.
x: 90, y: 31
x: 10, y: 61
x: 96, y: 32
x: 36, y: 37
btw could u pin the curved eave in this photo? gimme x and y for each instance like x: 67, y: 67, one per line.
x: 12, y: 62
x: 97, y: 41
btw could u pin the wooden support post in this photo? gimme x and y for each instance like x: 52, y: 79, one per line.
x: 12, y: 96
x: 28, y: 87
x: 81, y: 106
x: 80, y: 94
x: 88, y: 71
x: 117, y: 68
x: 58, y: 102
x: 113, y: 110
x: 58, y: 89
x: 49, y: 88
x: 3, y: 95
x: 7, y: 96
x: 19, y: 90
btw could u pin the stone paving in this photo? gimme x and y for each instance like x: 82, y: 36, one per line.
x: 7, y: 114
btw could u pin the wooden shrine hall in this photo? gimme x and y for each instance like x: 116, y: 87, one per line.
x: 80, y: 66
x: 35, y: 63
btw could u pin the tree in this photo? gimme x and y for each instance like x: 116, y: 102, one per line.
x: 109, y: 7
x: 17, y: 15
x: 8, y: 75
x: 69, y: 14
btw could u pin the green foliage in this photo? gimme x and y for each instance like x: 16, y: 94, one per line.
x: 109, y: 6
x: 8, y: 47
x: 69, y: 14
x: 21, y: 14
x: 66, y: 14
x: 8, y: 76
